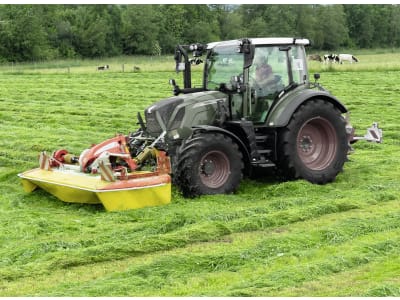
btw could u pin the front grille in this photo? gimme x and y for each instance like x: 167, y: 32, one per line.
x: 178, y: 119
x: 153, y: 128
x: 165, y: 108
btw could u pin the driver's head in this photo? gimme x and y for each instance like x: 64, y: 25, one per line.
x: 263, y: 69
x: 260, y: 60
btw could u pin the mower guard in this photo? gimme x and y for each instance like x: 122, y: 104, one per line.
x: 114, y: 187
x: 73, y: 187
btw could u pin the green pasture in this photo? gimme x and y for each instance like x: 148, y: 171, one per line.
x: 117, y: 64
x: 271, y: 238
x: 387, y: 61
x: 369, y: 60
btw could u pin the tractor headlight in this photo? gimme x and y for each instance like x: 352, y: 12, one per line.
x: 175, y: 134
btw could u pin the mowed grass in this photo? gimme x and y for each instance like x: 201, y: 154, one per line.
x: 271, y: 238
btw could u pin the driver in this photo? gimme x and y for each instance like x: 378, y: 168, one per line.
x: 265, y: 82
x: 263, y: 72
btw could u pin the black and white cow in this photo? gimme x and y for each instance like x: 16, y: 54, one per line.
x: 105, y: 67
x: 331, y: 58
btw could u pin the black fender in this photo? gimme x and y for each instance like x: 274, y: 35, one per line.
x: 235, y: 138
x: 282, y: 112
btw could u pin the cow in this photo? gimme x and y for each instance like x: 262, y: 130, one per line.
x: 347, y: 57
x: 102, y: 68
x: 316, y: 57
x: 331, y: 58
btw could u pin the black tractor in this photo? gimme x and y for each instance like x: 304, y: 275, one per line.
x: 256, y: 109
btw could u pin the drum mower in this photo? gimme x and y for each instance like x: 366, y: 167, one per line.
x: 109, y: 173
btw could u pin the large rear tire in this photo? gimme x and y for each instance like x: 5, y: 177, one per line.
x: 314, y: 144
x: 208, y: 163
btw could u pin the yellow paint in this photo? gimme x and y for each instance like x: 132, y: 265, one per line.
x: 116, y: 200
x: 76, y: 187
x: 28, y: 185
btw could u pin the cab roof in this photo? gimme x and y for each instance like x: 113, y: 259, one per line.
x: 264, y: 41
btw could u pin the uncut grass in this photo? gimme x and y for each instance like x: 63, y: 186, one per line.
x: 116, y: 64
x: 46, y: 238
x: 368, y: 62
x: 372, y: 60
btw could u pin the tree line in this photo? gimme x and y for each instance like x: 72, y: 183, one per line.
x: 40, y: 32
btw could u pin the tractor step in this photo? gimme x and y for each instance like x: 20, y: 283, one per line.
x: 261, y: 138
x: 263, y: 164
x: 265, y: 152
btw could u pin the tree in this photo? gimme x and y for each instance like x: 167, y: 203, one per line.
x: 361, y: 28
x: 280, y: 20
x: 91, y: 31
x: 229, y: 21
x: 394, y: 27
x: 114, y: 36
x: 333, y: 29
x: 171, y: 25
x: 140, y: 30
x: 22, y: 36
x: 201, y: 24
x: 305, y: 21
x: 62, y: 36
x: 34, y: 32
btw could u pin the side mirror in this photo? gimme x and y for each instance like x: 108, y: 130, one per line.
x: 316, y: 84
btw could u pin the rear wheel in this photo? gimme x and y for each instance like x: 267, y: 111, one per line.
x: 208, y: 163
x: 313, y: 146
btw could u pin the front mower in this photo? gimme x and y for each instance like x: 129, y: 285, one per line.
x: 106, y: 173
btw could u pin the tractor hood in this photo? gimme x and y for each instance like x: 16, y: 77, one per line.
x: 180, y: 113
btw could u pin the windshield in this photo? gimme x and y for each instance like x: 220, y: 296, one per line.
x: 271, y: 63
x: 270, y: 74
x: 223, y: 63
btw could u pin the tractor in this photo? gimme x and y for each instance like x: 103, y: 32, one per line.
x: 256, y: 110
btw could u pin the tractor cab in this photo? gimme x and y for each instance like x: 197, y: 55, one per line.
x: 254, y: 73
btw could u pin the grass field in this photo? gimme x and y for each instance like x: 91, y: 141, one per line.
x: 117, y: 64
x: 271, y: 238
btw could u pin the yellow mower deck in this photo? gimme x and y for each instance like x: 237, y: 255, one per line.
x: 77, y: 187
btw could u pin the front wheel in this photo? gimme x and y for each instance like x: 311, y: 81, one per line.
x: 208, y: 163
x: 314, y: 144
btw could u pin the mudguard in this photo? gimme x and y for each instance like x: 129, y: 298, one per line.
x: 235, y: 138
x: 282, y: 112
